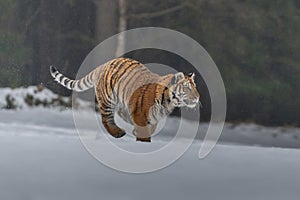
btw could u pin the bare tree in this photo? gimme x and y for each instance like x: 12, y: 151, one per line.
x: 191, y: 4
x: 122, y: 28
x: 108, y: 24
x: 106, y: 19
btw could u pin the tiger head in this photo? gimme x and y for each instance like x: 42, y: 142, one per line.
x: 183, y: 91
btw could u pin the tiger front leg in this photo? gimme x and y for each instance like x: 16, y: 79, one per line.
x: 143, y: 134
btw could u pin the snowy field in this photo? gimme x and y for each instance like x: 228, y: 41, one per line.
x: 42, y: 158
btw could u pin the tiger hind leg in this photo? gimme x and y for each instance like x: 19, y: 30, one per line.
x: 107, y: 114
x: 110, y: 125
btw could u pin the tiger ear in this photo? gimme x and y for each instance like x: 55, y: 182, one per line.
x: 178, y: 76
x: 192, y: 75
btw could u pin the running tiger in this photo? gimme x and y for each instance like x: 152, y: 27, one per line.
x: 140, y: 97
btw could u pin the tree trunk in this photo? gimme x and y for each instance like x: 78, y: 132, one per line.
x: 105, y: 27
x: 106, y: 19
x: 43, y: 45
x: 122, y: 27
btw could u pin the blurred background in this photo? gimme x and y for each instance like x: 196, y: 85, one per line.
x: 255, y: 44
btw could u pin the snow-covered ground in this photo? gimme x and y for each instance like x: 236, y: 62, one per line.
x: 60, y: 123
x: 41, y: 157
x: 35, y: 96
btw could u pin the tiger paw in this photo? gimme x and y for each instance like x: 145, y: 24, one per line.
x: 118, y: 133
x: 121, y: 134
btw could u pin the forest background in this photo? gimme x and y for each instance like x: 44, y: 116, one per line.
x: 255, y: 44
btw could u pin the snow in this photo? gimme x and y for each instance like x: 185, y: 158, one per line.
x: 43, y: 158
x: 41, y: 97
x: 253, y: 134
x: 51, y: 168
x: 60, y: 122
x: 34, y: 96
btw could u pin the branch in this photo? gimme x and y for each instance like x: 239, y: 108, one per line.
x: 159, y: 13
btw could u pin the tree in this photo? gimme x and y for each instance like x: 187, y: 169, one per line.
x: 122, y: 27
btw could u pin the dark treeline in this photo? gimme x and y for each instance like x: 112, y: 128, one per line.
x: 255, y: 44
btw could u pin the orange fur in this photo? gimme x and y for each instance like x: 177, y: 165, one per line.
x: 140, y: 97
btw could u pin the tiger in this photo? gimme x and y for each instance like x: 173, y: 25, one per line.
x: 139, y: 96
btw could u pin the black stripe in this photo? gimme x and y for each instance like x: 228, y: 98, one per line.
x: 174, y: 96
x: 156, y: 85
x: 135, y: 109
x: 106, y: 111
x: 111, y: 68
x: 90, y: 78
x: 103, y: 106
x: 143, y: 95
x: 55, y: 74
x: 137, y: 79
x: 72, y: 84
x: 154, y: 103
x: 78, y: 85
x: 53, y: 69
x: 118, y: 64
x: 85, y: 83
x: 116, y: 60
x: 115, y: 73
x: 107, y: 98
x: 106, y: 115
x: 137, y: 71
x: 110, y: 120
x: 103, y: 100
x: 61, y: 78
x: 163, y: 96
x: 114, y: 64
x: 124, y: 78
x: 66, y: 82
x: 127, y: 68
x: 107, y: 68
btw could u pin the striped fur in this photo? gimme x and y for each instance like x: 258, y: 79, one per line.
x: 140, y: 97
x: 77, y: 85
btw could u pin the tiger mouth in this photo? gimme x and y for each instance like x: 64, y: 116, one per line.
x: 192, y: 105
